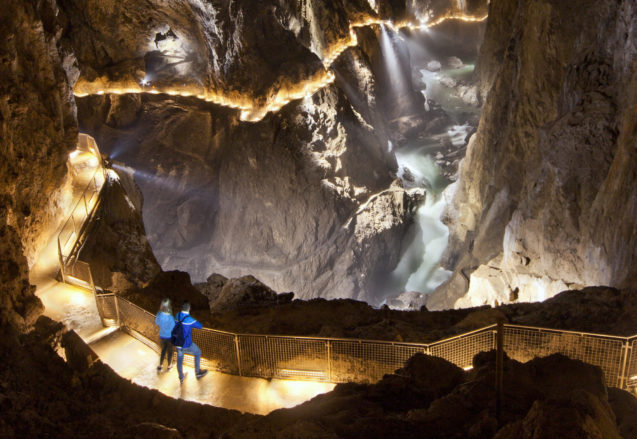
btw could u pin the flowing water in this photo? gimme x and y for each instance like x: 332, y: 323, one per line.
x: 419, y: 272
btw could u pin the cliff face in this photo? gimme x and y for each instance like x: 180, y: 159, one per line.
x: 302, y: 200
x: 37, y: 131
x: 305, y: 199
x: 546, y: 196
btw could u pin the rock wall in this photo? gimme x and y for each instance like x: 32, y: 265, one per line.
x: 38, y: 129
x: 117, y: 248
x: 302, y: 200
x: 546, y: 197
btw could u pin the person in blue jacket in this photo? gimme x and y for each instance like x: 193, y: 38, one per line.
x: 188, y: 323
x: 166, y: 322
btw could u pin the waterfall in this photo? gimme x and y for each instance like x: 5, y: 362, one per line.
x: 418, y: 270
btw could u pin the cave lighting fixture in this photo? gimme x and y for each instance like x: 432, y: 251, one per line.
x: 251, y: 110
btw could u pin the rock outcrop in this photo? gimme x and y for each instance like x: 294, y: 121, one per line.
x: 117, y: 249
x: 239, y: 294
x: 42, y: 395
x: 213, y: 184
x: 546, y: 194
x: 213, y: 187
x: 430, y: 398
x: 38, y: 129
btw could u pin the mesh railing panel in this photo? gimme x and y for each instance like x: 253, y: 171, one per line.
x: 137, y: 319
x: 218, y: 349
x: 367, y: 361
x: 524, y: 344
x: 283, y: 357
x: 66, y: 238
x: 106, y: 307
x: 461, y: 350
x: 81, y: 271
x: 342, y: 360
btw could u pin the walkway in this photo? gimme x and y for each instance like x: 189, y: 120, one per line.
x: 130, y: 358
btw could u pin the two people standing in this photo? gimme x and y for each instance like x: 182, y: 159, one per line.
x: 186, y: 323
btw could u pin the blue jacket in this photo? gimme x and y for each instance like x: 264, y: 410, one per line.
x: 188, y: 324
x: 166, y: 323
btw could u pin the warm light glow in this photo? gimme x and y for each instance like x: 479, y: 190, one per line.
x: 307, y: 374
x: 251, y: 111
x: 254, y: 395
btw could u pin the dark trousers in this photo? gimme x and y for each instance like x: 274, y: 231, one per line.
x: 166, y: 349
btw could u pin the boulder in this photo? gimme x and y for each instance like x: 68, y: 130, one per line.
x: 433, y: 66
x: 241, y: 293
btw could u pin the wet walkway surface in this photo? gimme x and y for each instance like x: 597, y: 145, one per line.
x: 133, y: 360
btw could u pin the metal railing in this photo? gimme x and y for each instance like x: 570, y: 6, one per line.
x: 73, y: 233
x: 339, y: 360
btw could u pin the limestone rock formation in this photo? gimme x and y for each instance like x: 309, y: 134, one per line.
x: 42, y: 395
x: 117, y: 249
x: 431, y: 398
x: 546, y: 194
x: 218, y: 207
x: 37, y: 131
x: 239, y: 294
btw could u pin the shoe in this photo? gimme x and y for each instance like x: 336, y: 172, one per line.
x: 158, y: 368
x: 170, y: 366
x: 202, y: 373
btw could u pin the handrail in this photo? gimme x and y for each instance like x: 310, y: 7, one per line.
x: 84, y: 142
x: 346, y: 359
x: 568, y: 331
x: 77, y: 204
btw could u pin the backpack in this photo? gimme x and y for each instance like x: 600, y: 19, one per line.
x: 177, y: 335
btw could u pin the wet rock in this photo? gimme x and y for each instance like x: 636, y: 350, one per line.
x: 453, y: 62
x: 433, y: 66
x: 409, y: 300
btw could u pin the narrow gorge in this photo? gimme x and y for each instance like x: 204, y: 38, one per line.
x: 396, y: 172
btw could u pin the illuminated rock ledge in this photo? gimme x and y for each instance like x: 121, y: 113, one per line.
x: 251, y: 109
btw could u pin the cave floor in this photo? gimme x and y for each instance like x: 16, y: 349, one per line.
x: 131, y: 359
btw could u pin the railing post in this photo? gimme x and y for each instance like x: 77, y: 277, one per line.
x: 626, y: 354
x: 85, y: 206
x: 61, y: 259
x: 236, y: 348
x: 499, y: 370
x: 116, y: 300
x: 328, y: 345
x: 73, y: 221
